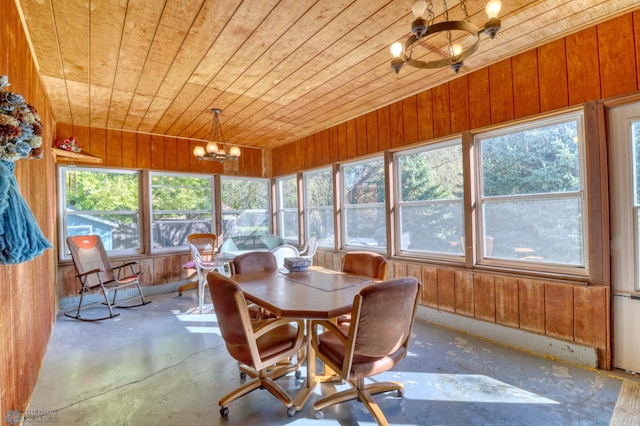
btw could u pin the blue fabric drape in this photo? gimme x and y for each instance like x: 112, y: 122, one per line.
x: 20, y: 237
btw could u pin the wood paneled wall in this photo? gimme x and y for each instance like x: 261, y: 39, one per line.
x: 28, y: 292
x: 596, y: 63
x: 143, y: 151
x: 591, y: 65
x: 576, y: 313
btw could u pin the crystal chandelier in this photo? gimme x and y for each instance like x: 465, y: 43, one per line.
x: 424, y: 31
x: 214, y: 152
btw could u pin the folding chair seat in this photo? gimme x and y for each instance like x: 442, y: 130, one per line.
x: 94, y: 270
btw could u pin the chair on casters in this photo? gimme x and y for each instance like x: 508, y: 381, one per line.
x: 376, y: 340
x: 206, y: 244
x: 366, y: 264
x: 94, y: 271
x: 309, y: 249
x: 258, y: 345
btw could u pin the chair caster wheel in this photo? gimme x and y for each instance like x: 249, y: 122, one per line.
x: 298, y: 374
x: 400, y: 393
x: 319, y: 414
x: 291, y: 411
x: 243, y: 375
x: 179, y: 293
x: 224, y: 411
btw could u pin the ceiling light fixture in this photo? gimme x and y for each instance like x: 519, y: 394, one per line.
x: 425, y: 31
x: 213, y: 152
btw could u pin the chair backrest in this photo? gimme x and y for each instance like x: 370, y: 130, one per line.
x: 281, y: 252
x: 223, y: 295
x: 385, y: 317
x: 311, y: 247
x: 255, y: 261
x: 205, y: 243
x: 88, y: 253
x: 365, y: 263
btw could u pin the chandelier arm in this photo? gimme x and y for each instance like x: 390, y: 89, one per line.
x: 441, y: 27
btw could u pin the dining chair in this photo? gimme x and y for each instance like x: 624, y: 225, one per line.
x: 263, y: 346
x: 366, y: 264
x: 254, y: 261
x: 309, y: 249
x: 94, y: 270
x: 375, y: 341
x: 206, y: 244
x: 281, y: 252
x: 203, y: 266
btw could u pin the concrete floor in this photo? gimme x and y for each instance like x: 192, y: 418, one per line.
x: 166, y: 364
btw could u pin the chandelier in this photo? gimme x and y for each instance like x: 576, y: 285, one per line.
x: 214, y: 152
x: 425, y: 33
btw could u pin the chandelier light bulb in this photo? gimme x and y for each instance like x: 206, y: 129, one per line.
x: 456, y: 50
x: 418, y: 8
x: 234, y: 151
x: 493, y: 8
x: 396, y: 49
x: 212, y: 148
x: 198, y: 151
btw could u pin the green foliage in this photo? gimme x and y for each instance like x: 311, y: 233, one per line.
x: 102, y: 191
x: 535, y: 161
x: 241, y: 194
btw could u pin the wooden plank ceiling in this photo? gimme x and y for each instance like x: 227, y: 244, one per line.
x: 279, y: 70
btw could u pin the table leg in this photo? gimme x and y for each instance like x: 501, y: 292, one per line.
x: 310, y: 383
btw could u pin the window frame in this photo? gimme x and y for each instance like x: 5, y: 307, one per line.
x: 345, y: 205
x: 151, y: 221
x: 307, y: 208
x: 63, y: 250
x: 281, y: 211
x: 399, y: 203
x: 268, y: 212
x: 581, y: 194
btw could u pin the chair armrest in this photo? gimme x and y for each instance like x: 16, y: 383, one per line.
x: 266, y: 326
x: 125, y: 265
x: 329, y: 327
x: 93, y: 271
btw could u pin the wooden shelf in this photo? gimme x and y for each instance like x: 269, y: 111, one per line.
x: 75, y: 156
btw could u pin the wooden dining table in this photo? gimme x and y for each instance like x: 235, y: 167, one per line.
x: 318, y: 293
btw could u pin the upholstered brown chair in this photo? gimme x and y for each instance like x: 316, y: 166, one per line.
x: 371, y: 344
x: 259, y: 345
x: 254, y: 261
x: 366, y: 264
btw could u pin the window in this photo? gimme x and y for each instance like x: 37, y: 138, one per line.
x: 180, y: 205
x: 318, y: 192
x: 101, y: 202
x: 364, y: 219
x: 531, y: 195
x: 245, y: 207
x: 430, y: 199
x: 287, y: 210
